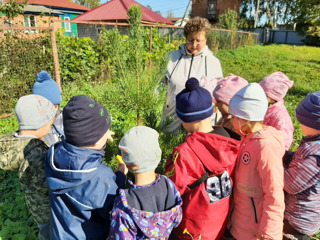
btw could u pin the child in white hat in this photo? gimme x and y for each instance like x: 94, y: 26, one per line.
x: 258, y: 196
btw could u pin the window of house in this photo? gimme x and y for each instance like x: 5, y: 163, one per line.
x: 67, y: 25
x: 212, y: 9
x: 30, y: 21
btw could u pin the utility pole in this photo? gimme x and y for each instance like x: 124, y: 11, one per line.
x: 185, y: 13
x: 257, y: 14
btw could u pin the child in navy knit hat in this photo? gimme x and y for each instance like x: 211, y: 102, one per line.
x: 302, y: 174
x: 202, y: 167
x: 46, y: 87
x: 82, y: 187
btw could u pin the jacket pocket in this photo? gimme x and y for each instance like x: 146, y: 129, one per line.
x: 254, y: 210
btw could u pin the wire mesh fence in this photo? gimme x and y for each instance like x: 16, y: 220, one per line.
x: 24, y: 52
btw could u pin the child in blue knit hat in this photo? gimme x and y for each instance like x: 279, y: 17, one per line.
x: 46, y: 87
x: 302, y: 174
x: 202, y: 167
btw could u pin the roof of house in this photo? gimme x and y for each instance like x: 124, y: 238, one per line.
x: 117, y: 10
x: 55, y: 3
x: 41, y: 9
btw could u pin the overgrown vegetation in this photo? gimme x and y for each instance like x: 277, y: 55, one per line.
x: 299, y: 63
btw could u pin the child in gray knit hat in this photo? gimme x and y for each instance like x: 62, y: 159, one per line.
x: 152, y: 201
x: 24, y: 150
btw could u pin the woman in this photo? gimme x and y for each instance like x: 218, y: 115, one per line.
x: 193, y: 59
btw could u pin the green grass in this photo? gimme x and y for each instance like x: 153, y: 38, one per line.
x: 301, y: 64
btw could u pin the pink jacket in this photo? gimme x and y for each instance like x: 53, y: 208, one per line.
x: 278, y: 117
x: 258, y: 190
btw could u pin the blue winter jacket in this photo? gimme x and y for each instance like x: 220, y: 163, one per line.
x: 82, y: 192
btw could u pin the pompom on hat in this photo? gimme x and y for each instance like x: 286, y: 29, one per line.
x: 250, y: 103
x: 194, y: 103
x: 140, y: 149
x: 85, y: 121
x: 227, y: 87
x: 34, y: 112
x: 276, y: 85
x: 47, y: 87
x: 308, y: 111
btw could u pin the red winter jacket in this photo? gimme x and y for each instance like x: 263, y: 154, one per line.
x: 205, y: 207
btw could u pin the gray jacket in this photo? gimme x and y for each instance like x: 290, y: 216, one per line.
x: 183, y: 65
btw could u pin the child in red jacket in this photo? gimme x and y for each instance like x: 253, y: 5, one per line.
x: 202, y: 167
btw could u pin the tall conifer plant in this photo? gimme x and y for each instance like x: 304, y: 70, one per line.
x: 135, y: 86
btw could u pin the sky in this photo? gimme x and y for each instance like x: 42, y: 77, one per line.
x: 178, y: 7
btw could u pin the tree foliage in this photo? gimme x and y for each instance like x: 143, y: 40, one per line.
x: 88, y: 3
x: 12, y: 9
x: 229, y: 20
x: 301, y: 13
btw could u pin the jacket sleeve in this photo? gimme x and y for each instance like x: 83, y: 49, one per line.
x: 122, y: 226
x: 176, y: 170
x: 285, y: 124
x: 270, y: 169
x: 301, y: 174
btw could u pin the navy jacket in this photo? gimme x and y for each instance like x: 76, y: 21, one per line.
x: 82, y: 192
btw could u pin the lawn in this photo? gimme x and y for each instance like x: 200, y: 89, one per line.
x: 301, y: 64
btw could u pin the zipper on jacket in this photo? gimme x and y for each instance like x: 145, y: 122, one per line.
x: 190, y: 66
x: 254, y: 209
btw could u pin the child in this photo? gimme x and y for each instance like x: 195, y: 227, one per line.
x: 276, y: 87
x: 25, y: 151
x: 302, y: 174
x: 258, y: 196
x: 223, y: 92
x: 82, y: 187
x: 210, y: 86
x: 151, y: 207
x: 48, y: 88
x: 202, y: 167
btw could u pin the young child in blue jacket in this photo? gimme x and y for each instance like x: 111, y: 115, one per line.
x: 82, y: 187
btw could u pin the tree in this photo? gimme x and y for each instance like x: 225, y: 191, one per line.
x: 170, y: 14
x: 290, y: 12
x: 12, y: 9
x: 88, y: 3
x: 229, y: 20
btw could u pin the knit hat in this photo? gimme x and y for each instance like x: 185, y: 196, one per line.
x: 194, y: 103
x: 227, y: 87
x: 276, y: 85
x: 308, y: 111
x: 209, y: 84
x: 249, y: 103
x: 47, y: 87
x: 33, y: 112
x: 85, y: 121
x: 140, y: 149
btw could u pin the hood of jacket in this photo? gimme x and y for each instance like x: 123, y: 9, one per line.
x: 268, y: 132
x: 223, y: 150
x: 68, y: 167
x: 154, y: 225
x: 184, y: 51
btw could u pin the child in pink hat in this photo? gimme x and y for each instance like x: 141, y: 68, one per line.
x: 276, y: 86
x: 223, y: 92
